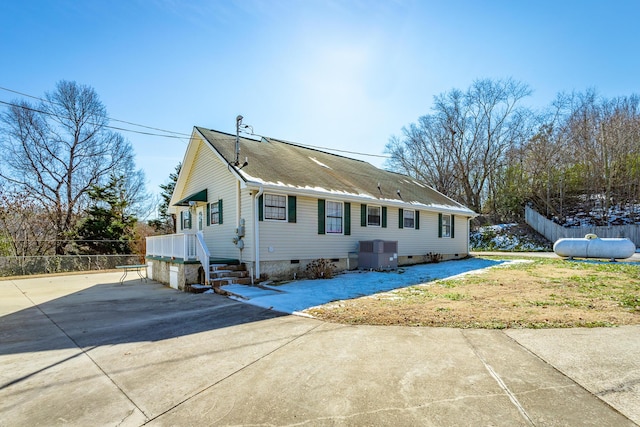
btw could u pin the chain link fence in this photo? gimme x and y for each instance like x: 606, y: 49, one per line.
x: 28, y: 265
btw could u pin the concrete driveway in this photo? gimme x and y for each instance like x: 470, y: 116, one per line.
x: 85, y: 350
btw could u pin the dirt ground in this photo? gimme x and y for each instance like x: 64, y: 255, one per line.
x: 533, y: 293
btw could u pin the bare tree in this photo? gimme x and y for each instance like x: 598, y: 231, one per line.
x: 461, y: 145
x: 24, y: 225
x: 584, y: 158
x: 419, y: 154
x: 58, y: 149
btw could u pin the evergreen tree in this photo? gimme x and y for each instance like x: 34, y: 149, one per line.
x: 55, y: 151
x: 108, y: 227
x: 166, y: 221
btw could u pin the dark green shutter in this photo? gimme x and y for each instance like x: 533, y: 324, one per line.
x: 181, y: 220
x: 292, y: 208
x: 417, y: 220
x: 220, y: 211
x: 384, y: 217
x: 400, y: 218
x: 320, y: 216
x: 439, y: 225
x: 453, y: 221
x: 347, y: 218
x: 208, y: 214
x: 363, y: 215
x: 261, y: 207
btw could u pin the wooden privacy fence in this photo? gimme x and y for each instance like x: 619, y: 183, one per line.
x: 553, y: 231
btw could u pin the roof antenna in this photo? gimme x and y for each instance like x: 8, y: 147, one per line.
x: 398, y: 193
x: 379, y: 189
x: 238, y: 124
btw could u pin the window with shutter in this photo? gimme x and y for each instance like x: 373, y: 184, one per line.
x: 275, y: 207
x: 444, y: 222
x: 408, y: 218
x: 374, y: 216
x: 214, y: 213
x: 186, y: 219
x: 334, y: 217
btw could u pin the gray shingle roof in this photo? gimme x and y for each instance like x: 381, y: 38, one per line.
x: 281, y: 163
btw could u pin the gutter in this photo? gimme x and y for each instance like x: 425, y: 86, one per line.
x: 359, y: 199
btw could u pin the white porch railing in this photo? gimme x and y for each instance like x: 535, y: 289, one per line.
x: 203, y: 254
x: 172, y: 246
x: 185, y: 246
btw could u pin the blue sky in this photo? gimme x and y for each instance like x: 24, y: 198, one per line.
x: 338, y: 74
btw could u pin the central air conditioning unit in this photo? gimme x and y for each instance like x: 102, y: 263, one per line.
x: 378, y: 255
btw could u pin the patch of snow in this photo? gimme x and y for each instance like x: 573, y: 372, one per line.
x: 300, y: 295
x: 500, y: 237
x: 251, y: 136
x: 319, y: 162
x: 444, y: 208
x: 498, y: 227
x: 253, y: 179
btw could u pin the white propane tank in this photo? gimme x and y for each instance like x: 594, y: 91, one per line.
x: 591, y: 246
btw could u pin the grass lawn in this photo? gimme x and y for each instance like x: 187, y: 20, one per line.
x: 539, y: 293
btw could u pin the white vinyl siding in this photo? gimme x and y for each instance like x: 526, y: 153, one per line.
x: 287, y: 241
x: 210, y: 173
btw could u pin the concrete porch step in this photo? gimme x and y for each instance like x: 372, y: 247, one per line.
x: 227, y: 267
x: 230, y: 281
x: 197, y: 288
x: 227, y: 274
x: 224, y: 273
x: 242, y: 281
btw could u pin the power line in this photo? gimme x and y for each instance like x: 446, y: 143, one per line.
x: 180, y: 136
x: 175, y: 136
x: 110, y: 118
x: 344, y: 151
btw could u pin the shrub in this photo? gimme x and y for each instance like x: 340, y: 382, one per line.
x: 434, y: 257
x: 320, y: 269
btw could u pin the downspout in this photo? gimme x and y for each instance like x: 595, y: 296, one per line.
x: 238, y: 204
x: 238, y: 217
x: 256, y: 238
x: 469, y: 236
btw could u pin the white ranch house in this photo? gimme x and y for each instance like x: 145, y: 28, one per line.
x: 276, y: 206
